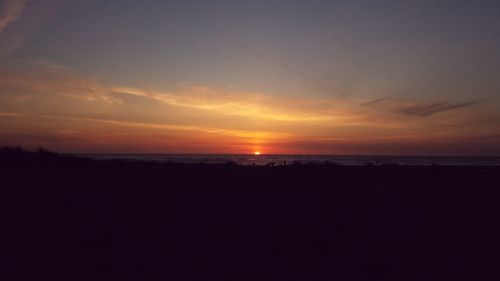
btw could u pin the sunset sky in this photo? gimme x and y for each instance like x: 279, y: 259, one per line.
x: 229, y: 76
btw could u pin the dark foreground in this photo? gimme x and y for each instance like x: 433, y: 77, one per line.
x: 75, y: 219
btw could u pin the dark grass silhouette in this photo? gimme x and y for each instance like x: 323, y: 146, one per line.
x: 67, y: 218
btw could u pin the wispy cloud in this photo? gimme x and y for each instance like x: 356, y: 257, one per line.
x: 51, y: 79
x: 11, y: 114
x: 31, y: 80
x: 374, y: 102
x: 95, y: 133
x: 319, y: 84
x: 230, y: 102
x: 413, y: 108
x: 172, y: 127
x: 433, y: 108
x: 52, y: 97
x: 30, y: 16
x: 11, y: 11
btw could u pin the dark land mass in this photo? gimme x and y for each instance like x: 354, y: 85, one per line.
x: 65, y: 218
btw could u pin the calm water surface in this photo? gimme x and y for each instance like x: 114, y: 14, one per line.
x: 290, y: 159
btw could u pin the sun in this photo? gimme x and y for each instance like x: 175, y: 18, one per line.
x: 256, y: 153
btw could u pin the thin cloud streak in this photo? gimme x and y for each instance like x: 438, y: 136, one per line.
x: 220, y: 131
x: 229, y: 103
x: 29, y: 17
x: 50, y: 79
x: 425, y: 110
x: 99, y: 134
x: 420, y: 109
x: 52, y: 98
x: 318, y: 83
x: 374, y: 102
x: 12, y: 10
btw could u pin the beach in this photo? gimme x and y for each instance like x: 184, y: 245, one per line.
x: 71, y: 218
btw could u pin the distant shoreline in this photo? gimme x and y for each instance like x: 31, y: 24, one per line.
x: 69, y: 216
x: 283, y: 159
x: 270, y: 159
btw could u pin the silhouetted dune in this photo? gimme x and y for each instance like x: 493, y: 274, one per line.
x: 68, y: 218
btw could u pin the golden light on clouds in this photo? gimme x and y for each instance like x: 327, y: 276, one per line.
x: 230, y: 102
x: 51, y: 106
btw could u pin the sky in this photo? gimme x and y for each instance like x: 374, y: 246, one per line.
x: 369, y: 77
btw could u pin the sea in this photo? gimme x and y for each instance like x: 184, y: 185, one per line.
x: 278, y: 160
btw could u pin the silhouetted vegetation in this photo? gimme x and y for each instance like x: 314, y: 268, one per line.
x: 68, y: 218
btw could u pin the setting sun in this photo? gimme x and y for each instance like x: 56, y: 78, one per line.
x: 193, y: 92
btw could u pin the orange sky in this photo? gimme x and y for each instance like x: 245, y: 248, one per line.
x: 56, y: 108
x: 83, y: 76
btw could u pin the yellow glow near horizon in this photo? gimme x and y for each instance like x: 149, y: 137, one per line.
x: 88, y: 115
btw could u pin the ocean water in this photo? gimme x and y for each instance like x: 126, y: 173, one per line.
x: 304, y: 159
